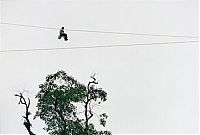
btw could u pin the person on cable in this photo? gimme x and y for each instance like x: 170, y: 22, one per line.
x: 62, y: 34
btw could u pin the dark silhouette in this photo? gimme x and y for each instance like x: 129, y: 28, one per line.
x: 27, y: 123
x: 62, y: 34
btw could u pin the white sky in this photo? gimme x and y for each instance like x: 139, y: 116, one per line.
x: 151, y: 89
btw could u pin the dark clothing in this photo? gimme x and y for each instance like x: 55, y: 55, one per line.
x: 62, y: 34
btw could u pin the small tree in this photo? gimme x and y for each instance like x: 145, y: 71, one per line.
x: 26, y: 103
x: 94, y: 94
x: 57, y: 100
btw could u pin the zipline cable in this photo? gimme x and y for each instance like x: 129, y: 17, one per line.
x: 103, y: 46
x: 96, y: 31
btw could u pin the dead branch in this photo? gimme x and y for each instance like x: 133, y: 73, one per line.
x: 27, y: 122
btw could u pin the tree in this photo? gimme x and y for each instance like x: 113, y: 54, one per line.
x: 58, y: 101
x: 24, y: 102
x: 94, y: 94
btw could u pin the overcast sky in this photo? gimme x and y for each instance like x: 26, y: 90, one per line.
x: 151, y: 89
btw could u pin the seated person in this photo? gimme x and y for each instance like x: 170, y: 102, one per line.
x: 62, y: 34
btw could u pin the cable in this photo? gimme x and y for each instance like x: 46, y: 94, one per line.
x: 96, y: 31
x: 104, y: 46
x: 24, y: 25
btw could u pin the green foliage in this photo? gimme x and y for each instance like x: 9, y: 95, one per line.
x: 103, y: 118
x: 56, y: 105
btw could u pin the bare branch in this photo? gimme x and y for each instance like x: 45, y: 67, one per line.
x: 94, y: 79
x: 91, y: 114
x: 90, y: 111
x: 29, y: 102
x: 96, y: 115
x: 27, y: 123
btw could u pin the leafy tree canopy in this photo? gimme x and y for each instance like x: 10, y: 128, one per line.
x: 57, y: 107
